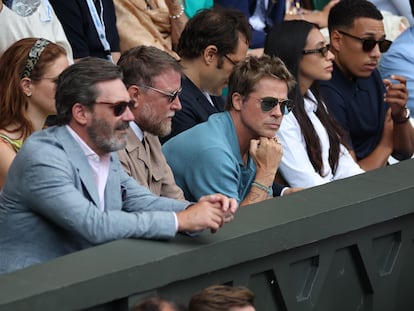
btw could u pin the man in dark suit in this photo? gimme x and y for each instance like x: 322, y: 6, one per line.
x: 212, y: 42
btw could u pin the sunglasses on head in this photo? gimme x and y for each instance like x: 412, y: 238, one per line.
x: 119, y: 107
x: 369, y: 44
x: 323, y: 51
x: 171, y: 95
x: 268, y: 103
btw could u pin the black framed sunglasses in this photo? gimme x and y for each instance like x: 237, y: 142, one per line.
x: 171, y: 95
x: 323, y: 51
x: 119, y: 107
x: 369, y: 44
x: 268, y: 103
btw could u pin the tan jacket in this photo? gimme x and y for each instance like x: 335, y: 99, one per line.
x: 149, y: 166
x: 139, y: 26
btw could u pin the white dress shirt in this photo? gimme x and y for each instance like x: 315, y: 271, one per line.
x: 99, y: 165
x: 296, y: 166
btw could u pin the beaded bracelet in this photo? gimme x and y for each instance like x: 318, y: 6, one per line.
x: 261, y: 186
x: 179, y: 14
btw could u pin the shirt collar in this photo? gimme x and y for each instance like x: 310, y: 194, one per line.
x: 310, y: 102
x: 137, y: 130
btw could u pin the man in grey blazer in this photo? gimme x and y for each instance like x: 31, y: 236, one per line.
x: 66, y: 190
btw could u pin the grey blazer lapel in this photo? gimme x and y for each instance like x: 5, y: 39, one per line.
x: 79, y: 160
x: 115, y: 192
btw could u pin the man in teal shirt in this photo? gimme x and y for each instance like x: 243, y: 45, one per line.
x: 235, y: 152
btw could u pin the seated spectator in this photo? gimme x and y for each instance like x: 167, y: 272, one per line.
x: 153, y: 80
x: 399, y: 60
x: 37, y: 22
x: 264, y: 14
x: 90, y: 26
x: 158, y: 304
x: 313, y: 151
x: 223, y: 298
x: 373, y: 112
x: 66, y: 189
x: 213, y: 41
x: 156, y: 23
x: 235, y: 152
x: 28, y: 93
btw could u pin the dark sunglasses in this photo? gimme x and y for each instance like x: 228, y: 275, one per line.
x: 171, y: 95
x: 369, y: 44
x: 323, y: 51
x: 268, y: 103
x: 119, y: 107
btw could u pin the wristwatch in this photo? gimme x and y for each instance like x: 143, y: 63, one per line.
x: 406, y: 118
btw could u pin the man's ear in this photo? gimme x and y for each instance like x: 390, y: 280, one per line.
x: 134, y: 92
x: 209, y: 54
x: 335, y: 40
x: 26, y: 86
x: 236, y: 101
x: 80, y: 113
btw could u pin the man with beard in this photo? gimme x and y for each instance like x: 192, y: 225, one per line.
x: 153, y: 80
x: 373, y: 112
x: 66, y: 189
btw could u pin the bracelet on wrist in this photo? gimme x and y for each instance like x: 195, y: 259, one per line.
x: 179, y: 14
x: 261, y: 186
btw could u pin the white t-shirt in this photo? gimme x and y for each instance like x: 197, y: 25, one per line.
x: 42, y: 23
x: 296, y: 166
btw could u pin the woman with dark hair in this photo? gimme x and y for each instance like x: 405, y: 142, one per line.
x: 28, y: 70
x: 313, y: 144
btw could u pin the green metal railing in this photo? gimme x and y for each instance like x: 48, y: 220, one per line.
x: 347, y: 245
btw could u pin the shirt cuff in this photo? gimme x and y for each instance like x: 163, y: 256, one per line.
x: 176, y: 222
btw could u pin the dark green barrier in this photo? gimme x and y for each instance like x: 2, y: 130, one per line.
x: 344, y: 246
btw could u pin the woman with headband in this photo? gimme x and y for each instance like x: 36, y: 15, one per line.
x: 28, y: 69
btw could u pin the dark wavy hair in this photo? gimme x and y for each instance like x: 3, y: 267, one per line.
x: 344, y: 13
x: 287, y: 41
x: 217, y: 26
x: 78, y: 84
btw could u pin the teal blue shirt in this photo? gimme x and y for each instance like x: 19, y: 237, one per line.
x: 206, y: 159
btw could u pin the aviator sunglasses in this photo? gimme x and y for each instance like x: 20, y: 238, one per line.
x: 369, y: 44
x: 268, y: 103
x: 119, y: 107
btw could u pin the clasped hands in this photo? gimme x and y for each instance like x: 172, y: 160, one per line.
x: 210, y: 212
